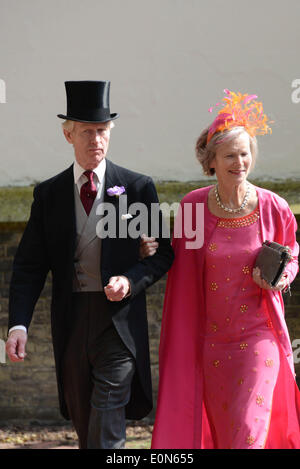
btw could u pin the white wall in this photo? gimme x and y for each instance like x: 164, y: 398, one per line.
x: 168, y: 62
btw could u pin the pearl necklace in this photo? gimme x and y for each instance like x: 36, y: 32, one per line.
x: 232, y: 210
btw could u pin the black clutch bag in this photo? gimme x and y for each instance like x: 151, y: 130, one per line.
x: 272, y: 260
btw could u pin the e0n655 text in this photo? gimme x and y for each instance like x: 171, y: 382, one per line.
x: 176, y: 458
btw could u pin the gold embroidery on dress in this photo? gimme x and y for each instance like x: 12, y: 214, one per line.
x: 243, y: 346
x: 250, y: 440
x: 269, y: 324
x: 269, y: 362
x: 246, y: 270
x: 239, y: 222
x: 259, y: 400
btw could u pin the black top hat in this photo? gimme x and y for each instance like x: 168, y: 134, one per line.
x: 88, y: 101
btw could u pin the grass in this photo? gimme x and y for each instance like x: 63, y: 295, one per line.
x: 15, y: 202
x: 295, y: 208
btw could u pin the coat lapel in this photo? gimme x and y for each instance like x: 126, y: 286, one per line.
x: 64, y: 194
x: 112, y: 178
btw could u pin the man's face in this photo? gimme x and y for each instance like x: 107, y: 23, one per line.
x: 90, y: 142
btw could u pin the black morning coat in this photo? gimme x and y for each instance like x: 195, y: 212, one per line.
x: 48, y: 244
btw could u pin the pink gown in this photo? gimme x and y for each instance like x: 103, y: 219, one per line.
x: 226, y: 372
x: 240, y: 355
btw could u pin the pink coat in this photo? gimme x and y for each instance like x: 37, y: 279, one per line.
x: 181, y: 420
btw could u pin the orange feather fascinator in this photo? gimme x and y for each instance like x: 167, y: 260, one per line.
x: 240, y: 110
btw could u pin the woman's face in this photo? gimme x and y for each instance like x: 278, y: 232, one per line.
x: 233, y: 160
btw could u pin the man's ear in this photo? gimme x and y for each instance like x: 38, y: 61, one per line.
x: 68, y: 136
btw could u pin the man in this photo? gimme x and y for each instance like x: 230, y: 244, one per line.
x: 98, y: 311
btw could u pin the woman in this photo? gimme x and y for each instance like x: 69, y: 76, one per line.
x: 226, y: 364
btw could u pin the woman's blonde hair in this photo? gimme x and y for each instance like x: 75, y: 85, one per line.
x: 206, y: 152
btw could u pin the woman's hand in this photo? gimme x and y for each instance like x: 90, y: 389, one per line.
x: 281, y: 285
x: 148, y: 246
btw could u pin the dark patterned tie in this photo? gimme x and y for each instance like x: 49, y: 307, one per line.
x: 88, y: 192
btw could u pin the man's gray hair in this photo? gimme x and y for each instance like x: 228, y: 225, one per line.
x: 69, y: 125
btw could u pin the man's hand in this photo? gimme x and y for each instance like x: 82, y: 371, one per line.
x: 283, y: 282
x: 117, y: 288
x: 15, y: 345
x: 148, y: 246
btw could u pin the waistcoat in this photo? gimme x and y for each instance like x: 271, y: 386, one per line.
x: 87, y: 260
